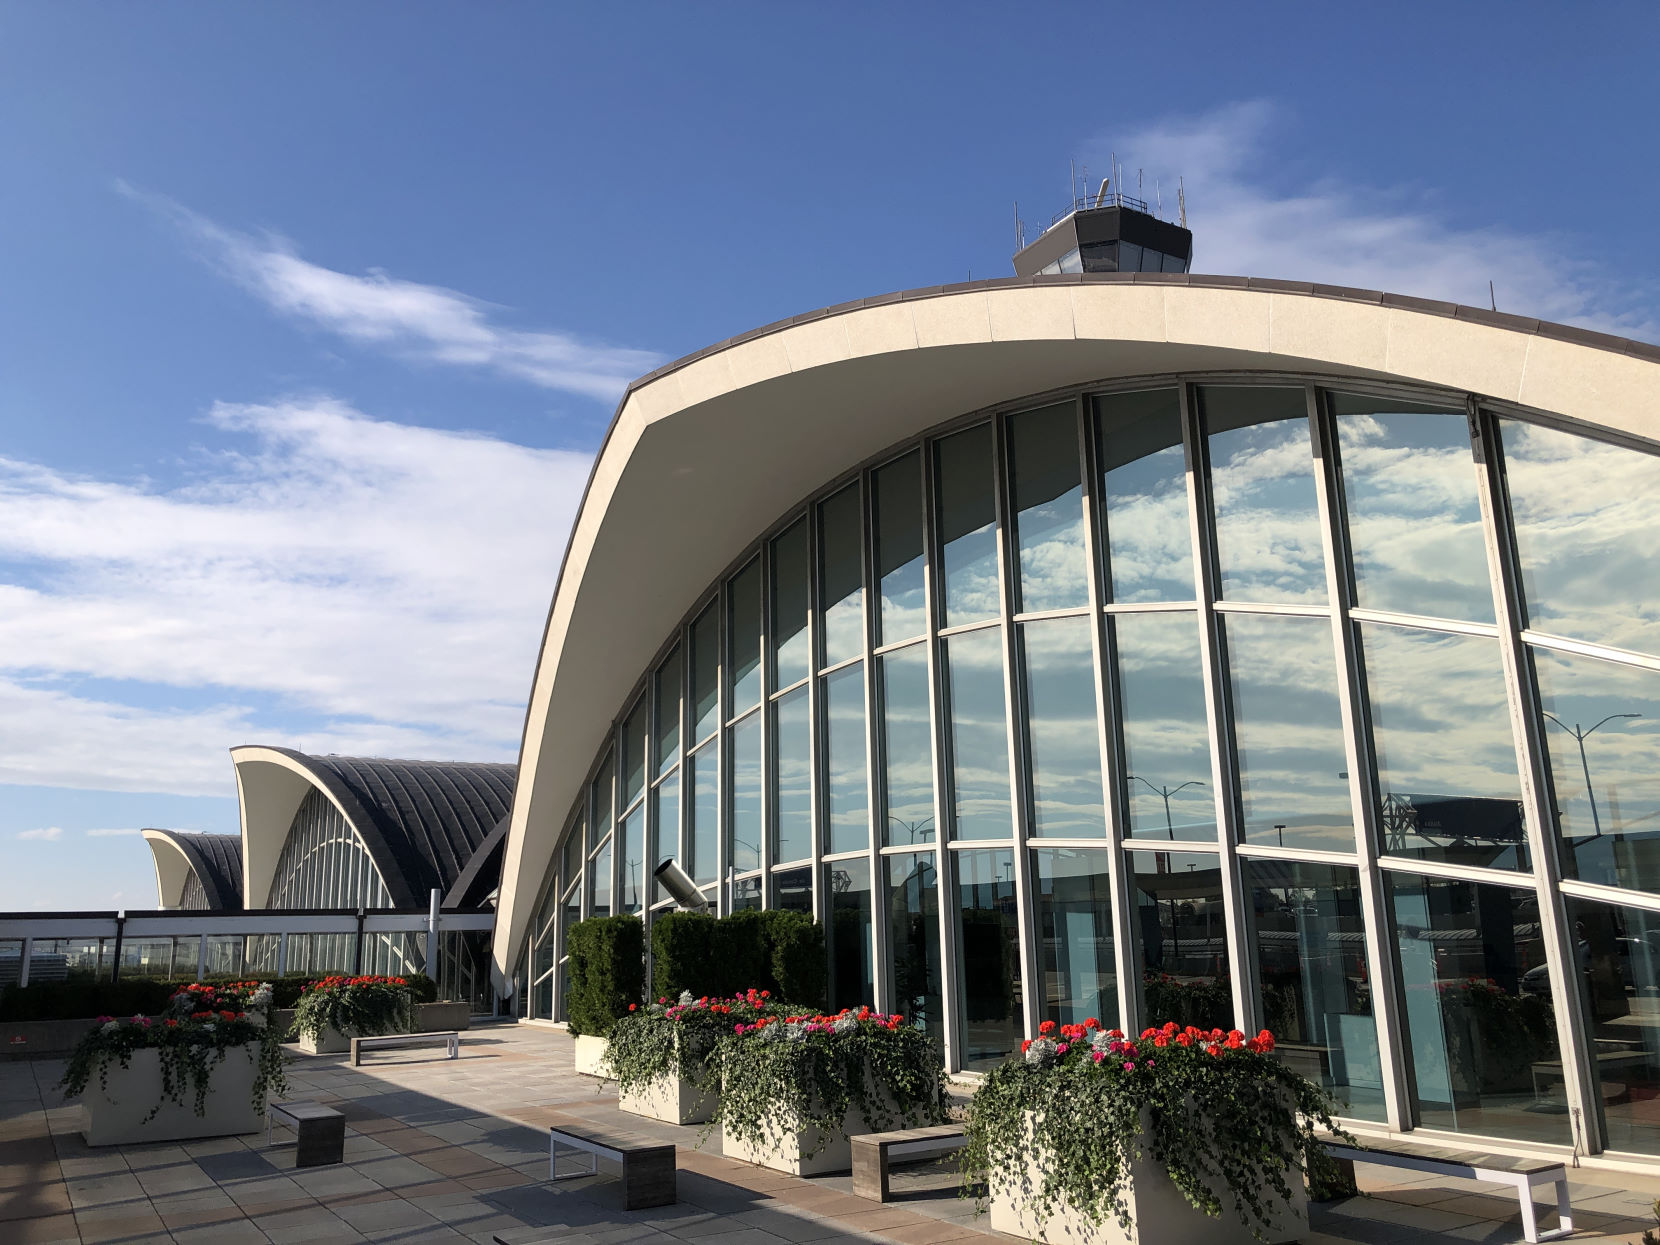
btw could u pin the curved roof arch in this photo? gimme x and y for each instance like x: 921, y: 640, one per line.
x: 790, y: 407
x: 420, y: 821
x: 215, y: 859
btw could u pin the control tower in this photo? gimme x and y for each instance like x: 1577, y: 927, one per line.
x: 1111, y: 232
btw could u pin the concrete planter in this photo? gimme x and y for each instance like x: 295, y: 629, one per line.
x: 429, y: 1018
x: 25, y: 1039
x: 590, y: 1054
x: 329, y: 1041
x: 114, y: 1113
x: 1159, y: 1214
x: 672, y: 1099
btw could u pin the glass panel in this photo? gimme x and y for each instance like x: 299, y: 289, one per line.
x: 1184, y: 938
x: 1061, y: 736
x: 1146, y: 538
x: 1310, y: 940
x: 603, y: 810
x: 1447, y: 775
x: 703, y: 807
x: 1586, y: 513
x: 1262, y: 480
x: 744, y: 628
x: 1129, y: 257
x: 632, y: 847
x: 913, y: 937
x: 668, y: 714
x: 1288, y: 733
x: 1174, y: 263
x: 667, y: 796
x: 967, y: 525
x: 990, y: 940
x: 634, y: 752
x: 791, y: 653
x: 842, y: 586
x: 599, y: 882
x: 746, y: 894
x: 705, y: 673
x: 979, y: 769
x: 792, y: 777
x: 792, y: 890
x: 1074, y: 917
x: 573, y: 854
x: 1480, y: 1027
x: 1045, y: 480
x: 848, y: 806
x: 899, y: 561
x: 1414, y: 513
x: 907, y: 763
x: 1602, y: 723
x: 851, y: 913
x: 1619, y: 982
x: 1161, y: 698
x: 746, y: 793
x: 570, y: 912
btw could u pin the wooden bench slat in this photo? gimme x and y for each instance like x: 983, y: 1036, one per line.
x: 872, y: 1151
x: 648, y: 1165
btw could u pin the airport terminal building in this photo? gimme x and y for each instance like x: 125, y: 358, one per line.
x: 1141, y: 645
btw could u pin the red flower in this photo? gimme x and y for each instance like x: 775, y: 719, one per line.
x: 1046, y: 1028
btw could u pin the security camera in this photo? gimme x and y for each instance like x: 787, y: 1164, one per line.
x: 684, y: 891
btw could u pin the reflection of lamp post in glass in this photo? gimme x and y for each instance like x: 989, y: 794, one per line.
x: 911, y: 829
x: 1579, y: 737
x: 1169, y: 827
x: 1279, y: 828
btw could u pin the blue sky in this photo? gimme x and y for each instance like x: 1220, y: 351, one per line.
x: 312, y: 316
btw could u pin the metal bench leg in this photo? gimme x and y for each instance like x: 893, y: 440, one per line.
x: 1530, y: 1216
x: 553, y: 1163
x: 1564, y: 1211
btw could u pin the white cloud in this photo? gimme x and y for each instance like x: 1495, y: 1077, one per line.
x: 45, y: 833
x: 426, y: 322
x: 111, y: 834
x: 1367, y: 236
x: 341, y: 584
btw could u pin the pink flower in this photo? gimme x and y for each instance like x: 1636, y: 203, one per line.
x: 1098, y: 1055
x: 1128, y: 1066
x: 1063, y: 1047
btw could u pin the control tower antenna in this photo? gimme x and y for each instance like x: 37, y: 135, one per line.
x: 1181, y: 198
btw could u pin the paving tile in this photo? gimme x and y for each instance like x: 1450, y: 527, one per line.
x: 372, y: 1217
x: 237, y: 1232
x: 118, y: 1224
x: 49, y: 1230
x: 315, y: 1223
x: 34, y: 1201
x: 109, y: 1190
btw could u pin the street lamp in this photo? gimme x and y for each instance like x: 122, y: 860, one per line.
x: 1579, y: 737
x: 1166, y: 793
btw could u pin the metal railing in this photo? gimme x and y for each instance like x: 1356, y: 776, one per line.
x: 1111, y: 198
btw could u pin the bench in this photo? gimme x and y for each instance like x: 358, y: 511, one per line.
x: 648, y: 1175
x: 872, y: 1152
x: 448, y: 1037
x: 1524, y: 1175
x: 319, y: 1131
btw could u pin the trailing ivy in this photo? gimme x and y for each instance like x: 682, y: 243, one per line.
x: 355, y: 1007
x: 1215, y: 1110
x: 677, y: 1039
x: 814, y: 1069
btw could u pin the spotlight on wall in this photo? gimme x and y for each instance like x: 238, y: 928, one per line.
x: 683, y: 890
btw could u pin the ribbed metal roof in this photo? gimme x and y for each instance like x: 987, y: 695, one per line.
x: 217, y: 862
x: 422, y: 821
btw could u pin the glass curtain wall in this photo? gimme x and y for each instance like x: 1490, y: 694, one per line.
x: 1227, y: 702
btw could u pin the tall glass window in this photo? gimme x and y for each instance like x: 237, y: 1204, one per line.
x: 602, y: 795
x: 1074, y: 920
x: 914, y: 940
x: 990, y: 960
x: 667, y: 731
x: 1161, y: 702
x: 1481, y: 1025
x: 907, y: 762
x: 851, y: 949
x: 634, y: 746
x: 979, y: 740
x: 1310, y: 939
x: 790, y: 651
x: 1045, y: 483
x: 746, y: 794
x: 705, y: 674
x: 899, y: 560
x: 1146, y: 538
x: 967, y: 525
x: 1409, y: 479
x: 631, y: 850
x: 599, y: 881
x: 667, y: 814
x: 703, y: 808
x: 792, y: 890
x: 792, y: 774
x: 1062, y: 740
x: 1262, y: 479
x: 842, y: 579
x: 1585, y: 514
x: 1184, y: 938
x: 1447, y: 777
x: 744, y: 633
x: 848, y: 806
x: 1288, y: 732
x: 1602, y: 726
x: 1618, y: 952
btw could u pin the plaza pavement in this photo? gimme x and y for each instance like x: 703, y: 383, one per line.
x: 441, y: 1151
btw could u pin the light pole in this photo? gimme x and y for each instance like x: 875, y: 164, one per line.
x: 1166, y: 793
x: 1579, y: 737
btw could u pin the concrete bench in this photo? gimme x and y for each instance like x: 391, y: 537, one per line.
x: 1523, y: 1175
x: 872, y: 1152
x: 648, y: 1174
x: 319, y: 1131
x: 450, y: 1038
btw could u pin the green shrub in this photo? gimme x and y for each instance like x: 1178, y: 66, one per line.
x: 742, y: 955
x: 683, y: 956
x: 782, y: 952
x: 608, y: 969
x: 355, y: 1007
x: 82, y: 998
x: 799, y: 968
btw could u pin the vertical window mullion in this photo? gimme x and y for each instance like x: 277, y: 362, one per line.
x: 817, y: 732
x: 934, y: 609
x: 881, y: 967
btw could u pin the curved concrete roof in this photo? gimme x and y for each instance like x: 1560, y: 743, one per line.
x: 215, y: 859
x: 704, y: 454
x: 421, y: 821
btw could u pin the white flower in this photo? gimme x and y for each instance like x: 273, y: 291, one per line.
x: 686, y: 999
x: 844, y: 1025
x: 110, y: 1026
x: 1100, y: 1041
x: 773, y: 1033
x: 796, y: 1033
x: 1041, y: 1051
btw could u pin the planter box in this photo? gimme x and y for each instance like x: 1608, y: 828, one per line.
x: 429, y: 1018
x: 114, y: 1116
x: 670, y: 1098
x: 788, y: 1146
x: 329, y: 1041
x: 590, y: 1054
x: 1159, y: 1214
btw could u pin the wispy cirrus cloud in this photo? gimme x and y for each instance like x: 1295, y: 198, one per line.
x: 44, y: 834
x: 413, y: 320
x: 1341, y: 233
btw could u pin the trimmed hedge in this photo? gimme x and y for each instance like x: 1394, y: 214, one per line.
x: 773, y: 950
x: 608, y: 972
x: 147, y: 996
